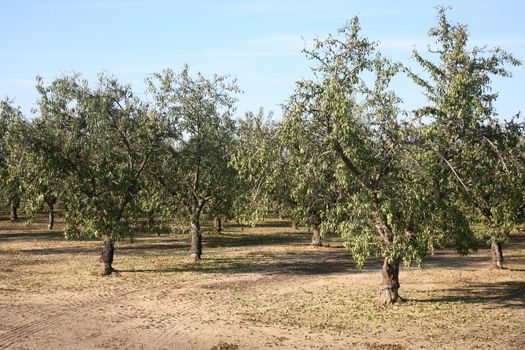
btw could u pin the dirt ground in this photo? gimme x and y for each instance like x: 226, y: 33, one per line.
x: 256, y: 288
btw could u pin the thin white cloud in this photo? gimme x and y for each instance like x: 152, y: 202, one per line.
x: 396, y: 12
x: 104, y: 4
x: 403, y: 44
x: 266, y: 79
x: 294, y: 43
x: 17, y: 82
x: 503, y: 42
x: 240, y: 53
x: 321, y: 9
x: 247, y: 8
x: 272, y: 45
x: 260, y: 52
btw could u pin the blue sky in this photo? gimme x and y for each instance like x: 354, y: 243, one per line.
x: 258, y: 42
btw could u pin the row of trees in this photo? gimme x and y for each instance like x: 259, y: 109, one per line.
x: 345, y: 158
x: 393, y: 183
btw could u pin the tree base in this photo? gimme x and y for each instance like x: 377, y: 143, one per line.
x: 497, y: 255
x: 389, y: 292
x: 498, y: 266
x: 388, y: 297
x: 106, y: 270
x: 195, y: 257
x: 316, y: 238
x: 106, y: 258
x: 316, y: 243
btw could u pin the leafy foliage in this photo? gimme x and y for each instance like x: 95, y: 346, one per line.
x: 10, y: 185
x: 473, y: 152
x: 385, y: 207
x: 100, y: 142
x: 195, y: 171
x: 263, y: 164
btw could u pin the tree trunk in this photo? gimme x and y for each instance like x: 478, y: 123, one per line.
x: 316, y: 238
x: 294, y: 225
x: 196, y: 237
x: 51, y: 221
x: 108, y: 249
x: 14, y: 212
x: 497, y: 255
x: 388, y: 294
x: 151, y: 218
x: 217, y: 225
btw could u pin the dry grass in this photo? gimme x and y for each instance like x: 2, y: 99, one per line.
x: 255, y: 288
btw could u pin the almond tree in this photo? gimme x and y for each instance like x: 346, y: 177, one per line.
x: 41, y: 183
x: 467, y: 138
x: 101, y: 140
x: 195, y: 168
x: 386, y: 207
x: 263, y: 164
x: 314, y: 189
x: 10, y: 191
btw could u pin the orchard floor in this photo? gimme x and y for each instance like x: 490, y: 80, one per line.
x: 258, y: 288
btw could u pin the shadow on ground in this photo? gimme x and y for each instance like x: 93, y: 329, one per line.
x: 509, y: 294
x: 312, y: 263
x: 30, y: 235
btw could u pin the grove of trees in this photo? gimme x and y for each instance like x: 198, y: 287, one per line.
x: 345, y: 159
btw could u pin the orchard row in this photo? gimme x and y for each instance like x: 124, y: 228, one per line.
x: 344, y: 159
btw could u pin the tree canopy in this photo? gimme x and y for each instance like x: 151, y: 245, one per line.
x: 101, y: 140
x: 468, y: 141
x: 195, y: 170
x: 386, y: 207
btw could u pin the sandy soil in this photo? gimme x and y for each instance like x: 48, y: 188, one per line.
x: 255, y: 289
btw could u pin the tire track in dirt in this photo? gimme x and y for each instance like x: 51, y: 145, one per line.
x: 65, y: 309
x: 187, y: 312
x: 23, y: 332
x: 193, y: 308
